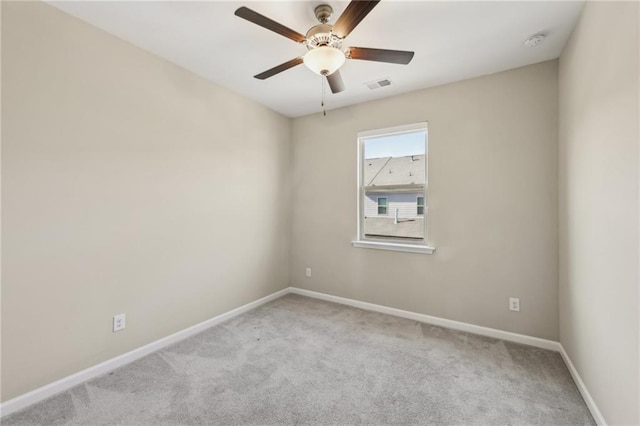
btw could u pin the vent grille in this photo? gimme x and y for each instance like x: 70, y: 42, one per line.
x: 378, y: 83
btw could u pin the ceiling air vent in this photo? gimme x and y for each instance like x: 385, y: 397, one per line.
x: 378, y: 83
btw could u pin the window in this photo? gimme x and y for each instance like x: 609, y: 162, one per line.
x: 392, y: 189
x: 382, y: 206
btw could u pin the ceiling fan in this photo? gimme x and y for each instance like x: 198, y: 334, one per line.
x: 325, y: 53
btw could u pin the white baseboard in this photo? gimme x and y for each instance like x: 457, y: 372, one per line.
x: 470, y: 328
x: 595, y: 412
x: 428, y: 319
x: 44, y: 392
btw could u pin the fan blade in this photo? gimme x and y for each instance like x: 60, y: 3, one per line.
x: 352, y: 15
x: 269, y: 24
x: 278, y: 69
x: 335, y: 82
x: 380, y: 55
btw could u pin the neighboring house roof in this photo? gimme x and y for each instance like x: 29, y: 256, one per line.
x: 393, y: 171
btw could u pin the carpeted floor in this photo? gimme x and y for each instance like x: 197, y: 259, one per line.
x: 302, y: 361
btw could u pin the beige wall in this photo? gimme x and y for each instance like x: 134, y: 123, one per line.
x: 128, y: 185
x: 492, y: 203
x: 131, y: 185
x: 599, y: 185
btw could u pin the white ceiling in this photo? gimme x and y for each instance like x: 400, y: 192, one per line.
x: 452, y: 41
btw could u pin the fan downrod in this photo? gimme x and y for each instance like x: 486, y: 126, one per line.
x: 323, y: 13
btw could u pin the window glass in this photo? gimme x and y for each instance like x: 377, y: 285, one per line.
x: 393, y: 184
x: 382, y: 206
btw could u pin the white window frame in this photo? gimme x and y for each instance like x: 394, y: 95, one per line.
x: 361, y: 242
x: 386, y: 206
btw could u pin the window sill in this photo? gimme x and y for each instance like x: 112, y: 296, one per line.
x: 408, y: 248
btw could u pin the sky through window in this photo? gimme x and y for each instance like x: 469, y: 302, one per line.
x: 395, y: 145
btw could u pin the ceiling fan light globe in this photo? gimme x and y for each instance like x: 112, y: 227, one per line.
x: 324, y: 60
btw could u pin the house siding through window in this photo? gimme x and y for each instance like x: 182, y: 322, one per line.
x: 405, y: 203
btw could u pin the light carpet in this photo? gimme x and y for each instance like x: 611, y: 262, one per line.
x: 298, y: 360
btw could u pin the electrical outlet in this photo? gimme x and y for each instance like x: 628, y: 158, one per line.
x: 307, y: 272
x: 514, y: 304
x: 119, y: 322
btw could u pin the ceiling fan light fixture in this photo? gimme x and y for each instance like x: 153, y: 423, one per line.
x: 324, y: 60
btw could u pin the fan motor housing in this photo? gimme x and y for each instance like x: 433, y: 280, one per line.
x: 320, y: 35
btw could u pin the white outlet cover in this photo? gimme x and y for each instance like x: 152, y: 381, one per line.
x: 308, y: 272
x: 119, y: 322
x: 514, y: 304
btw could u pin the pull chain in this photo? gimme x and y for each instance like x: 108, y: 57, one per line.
x: 324, y: 111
